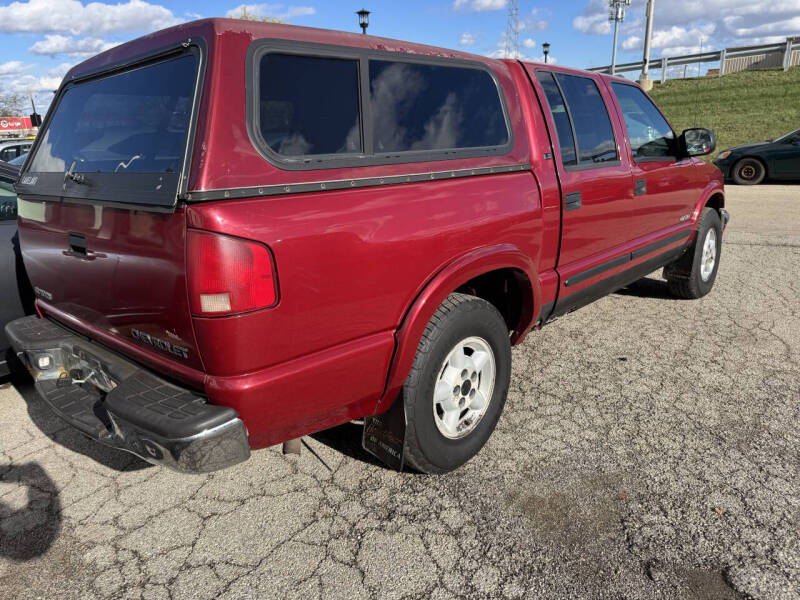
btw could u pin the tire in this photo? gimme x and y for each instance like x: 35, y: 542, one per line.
x: 436, y: 441
x: 692, y: 276
x: 749, y: 171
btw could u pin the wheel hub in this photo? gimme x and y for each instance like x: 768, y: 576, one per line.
x: 464, y: 387
x: 709, y: 257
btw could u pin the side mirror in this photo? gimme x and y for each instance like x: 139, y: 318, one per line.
x: 698, y: 142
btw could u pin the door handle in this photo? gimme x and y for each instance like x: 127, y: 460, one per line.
x: 572, y: 201
x: 78, y: 248
x: 640, y: 187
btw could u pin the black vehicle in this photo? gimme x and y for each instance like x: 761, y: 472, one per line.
x: 16, y: 299
x: 750, y: 165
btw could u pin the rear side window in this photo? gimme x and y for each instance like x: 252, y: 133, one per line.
x: 313, y: 106
x: 433, y: 107
x: 558, y: 109
x: 590, y: 121
x: 309, y: 105
x: 133, y: 122
x: 649, y: 133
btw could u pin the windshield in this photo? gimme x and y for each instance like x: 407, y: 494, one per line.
x: 132, y: 122
x: 788, y: 136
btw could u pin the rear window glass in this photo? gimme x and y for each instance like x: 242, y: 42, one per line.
x: 431, y: 107
x: 596, y: 143
x: 132, y: 122
x: 566, y: 140
x: 309, y: 105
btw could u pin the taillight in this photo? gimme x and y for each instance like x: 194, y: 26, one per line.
x: 228, y: 275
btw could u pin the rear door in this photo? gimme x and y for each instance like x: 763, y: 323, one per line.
x: 103, y: 242
x: 666, y: 189
x: 597, y: 195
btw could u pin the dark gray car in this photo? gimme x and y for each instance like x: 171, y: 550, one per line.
x: 16, y: 299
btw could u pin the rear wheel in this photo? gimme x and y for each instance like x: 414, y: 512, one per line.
x: 749, y: 171
x: 457, y: 387
x: 693, y: 274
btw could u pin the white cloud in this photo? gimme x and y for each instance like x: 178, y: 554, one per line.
x: 55, y: 43
x: 12, y: 67
x: 75, y: 18
x: 277, y: 11
x: 676, y: 40
x: 678, y: 26
x: 467, y: 39
x: 529, y: 43
x: 479, y: 5
x: 594, y: 18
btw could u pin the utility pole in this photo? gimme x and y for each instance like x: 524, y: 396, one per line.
x: 616, y: 13
x: 512, y: 30
x: 644, y: 79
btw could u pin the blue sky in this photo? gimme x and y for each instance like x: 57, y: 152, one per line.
x: 41, y: 39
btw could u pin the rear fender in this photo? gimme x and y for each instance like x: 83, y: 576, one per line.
x: 456, y: 274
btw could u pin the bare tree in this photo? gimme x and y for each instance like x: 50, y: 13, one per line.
x: 247, y: 16
x: 12, y: 104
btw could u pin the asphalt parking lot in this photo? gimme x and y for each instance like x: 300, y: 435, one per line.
x: 649, y: 449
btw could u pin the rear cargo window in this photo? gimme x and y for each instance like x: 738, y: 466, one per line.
x: 432, y: 107
x: 309, y: 105
x: 590, y: 120
x: 133, y: 122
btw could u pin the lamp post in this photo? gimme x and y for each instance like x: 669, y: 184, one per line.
x: 616, y: 13
x: 363, y: 20
x: 546, y: 48
x: 644, y: 78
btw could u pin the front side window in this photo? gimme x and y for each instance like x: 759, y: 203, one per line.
x: 309, y: 105
x: 132, y: 122
x: 590, y: 120
x: 649, y: 133
x: 418, y: 107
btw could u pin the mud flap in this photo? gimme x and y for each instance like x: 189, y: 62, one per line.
x: 385, y: 435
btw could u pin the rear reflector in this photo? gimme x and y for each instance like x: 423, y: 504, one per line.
x: 228, y: 275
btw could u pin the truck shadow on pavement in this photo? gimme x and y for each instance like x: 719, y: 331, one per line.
x: 29, y: 531
x: 346, y: 439
x: 648, y: 288
x: 72, y: 439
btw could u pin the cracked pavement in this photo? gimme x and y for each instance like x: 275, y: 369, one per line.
x: 649, y: 449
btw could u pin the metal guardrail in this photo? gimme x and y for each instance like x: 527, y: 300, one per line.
x: 720, y: 56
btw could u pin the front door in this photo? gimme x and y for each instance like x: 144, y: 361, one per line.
x: 666, y: 189
x: 785, y: 159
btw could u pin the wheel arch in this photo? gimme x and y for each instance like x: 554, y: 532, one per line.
x: 474, y: 273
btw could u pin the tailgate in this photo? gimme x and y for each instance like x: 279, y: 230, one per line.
x: 101, y: 231
x: 121, y: 270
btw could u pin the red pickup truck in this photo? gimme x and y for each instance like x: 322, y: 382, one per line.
x: 241, y: 233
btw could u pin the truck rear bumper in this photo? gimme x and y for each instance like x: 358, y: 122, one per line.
x: 124, y: 406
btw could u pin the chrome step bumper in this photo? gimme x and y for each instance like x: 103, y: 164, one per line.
x: 121, y: 405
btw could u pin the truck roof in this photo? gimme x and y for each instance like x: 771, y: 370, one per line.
x: 215, y: 28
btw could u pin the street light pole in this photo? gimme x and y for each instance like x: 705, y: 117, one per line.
x: 644, y: 79
x: 546, y: 48
x: 616, y: 13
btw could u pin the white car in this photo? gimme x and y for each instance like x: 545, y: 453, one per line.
x: 13, y: 149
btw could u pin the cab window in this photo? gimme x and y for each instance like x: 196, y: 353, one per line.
x: 649, y: 133
x: 593, y: 131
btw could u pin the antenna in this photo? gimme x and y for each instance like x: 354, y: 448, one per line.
x: 512, y: 30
